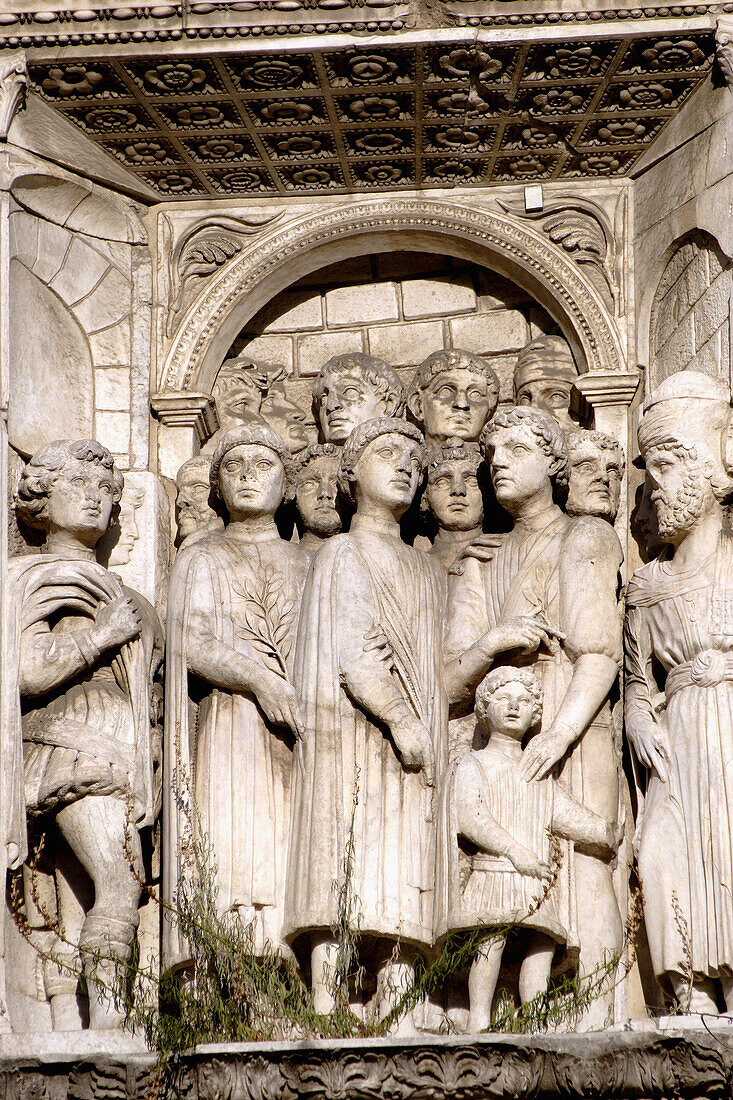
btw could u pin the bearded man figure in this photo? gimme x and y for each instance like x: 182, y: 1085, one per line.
x: 316, y: 495
x: 680, y: 623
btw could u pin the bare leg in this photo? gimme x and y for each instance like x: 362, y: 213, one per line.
x: 393, y: 981
x: 61, y: 971
x: 534, y: 972
x: 701, y: 997
x: 482, y: 981
x: 323, y: 966
x: 94, y: 828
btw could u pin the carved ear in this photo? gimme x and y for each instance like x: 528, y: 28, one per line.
x: 414, y: 404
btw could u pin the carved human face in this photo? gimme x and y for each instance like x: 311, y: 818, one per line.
x: 595, y: 481
x: 454, y: 497
x: 681, y: 493
x: 456, y: 403
x: 80, y: 501
x: 193, y: 510
x: 509, y: 710
x: 347, y: 401
x: 289, y: 421
x: 251, y: 481
x: 129, y: 532
x: 316, y: 495
x: 520, y: 469
x: 388, y: 472
x: 552, y: 395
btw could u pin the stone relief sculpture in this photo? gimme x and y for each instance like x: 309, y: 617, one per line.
x: 79, y: 698
x: 453, y: 393
x: 544, y: 375
x: 232, y: 713
x: 507, y: 821
x: 316, y: 494
x: 597, y: 467
x: 679, y: 692
x: 549, y: 593
x: 288, y: 419
x: 368, y: 666
x: 352, y: 388
x: 195, y: 515
x: 126, y: 529
x: 453, y: 497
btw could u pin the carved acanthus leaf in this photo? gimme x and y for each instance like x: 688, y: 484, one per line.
x: 13, y: 85
x: 204, y: 249
x: 582, y: 229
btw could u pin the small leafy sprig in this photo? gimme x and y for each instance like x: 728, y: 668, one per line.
x: 266, y: 616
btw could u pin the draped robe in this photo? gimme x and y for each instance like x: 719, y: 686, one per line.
x: 568, y: 571
x: 221, y: 755
x: 363, y: 586
x: 682, y: 623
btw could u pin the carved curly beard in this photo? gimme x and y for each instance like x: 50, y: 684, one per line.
x: 681, y: 511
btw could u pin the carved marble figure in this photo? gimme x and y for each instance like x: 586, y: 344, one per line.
x: 242, y: 385
x: 597, y: 468
x: 453, y: 394
x: 125, y: 532
x: 316, y: 494
x: 293, y: 424
x: 352, y: 388
x: 504, y: 822
x: 679, y: 692
x: 549, y: 593
x: 195, y: 514
x: 453, y: 497
x: 369, y: 668
x: 544, y: 376
x: 80, y: 694
x: 232, y: 616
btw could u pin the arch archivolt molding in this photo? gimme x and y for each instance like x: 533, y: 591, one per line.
x: 498, y: 240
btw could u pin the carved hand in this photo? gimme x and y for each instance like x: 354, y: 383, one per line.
x: 482, y: 549
x: 545, y: 750
x: 279, y: 701
x: 650, y: 742
x: 116, y: 623
x: 414, y: 744
x: 527, y: 863
x: 526, y: 632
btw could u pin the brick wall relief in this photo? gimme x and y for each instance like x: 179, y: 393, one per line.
x: 691, y: 312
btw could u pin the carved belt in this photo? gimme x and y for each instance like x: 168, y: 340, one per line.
x: 64, y: 733
x: 707, y: 669
x: 492, y: 863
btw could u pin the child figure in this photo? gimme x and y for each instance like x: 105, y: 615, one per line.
x: 504, y: 820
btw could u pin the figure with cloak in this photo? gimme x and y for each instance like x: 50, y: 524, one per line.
x: 79, y: 701
x: 231, y: 712
x: 679, y: 693
x: 502, y: 824
x: 368, y: 666
x: 547, y: 595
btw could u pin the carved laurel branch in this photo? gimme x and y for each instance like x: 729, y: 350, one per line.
x: 584, y: 231
x: 503, y: 234
x: 206, y: 247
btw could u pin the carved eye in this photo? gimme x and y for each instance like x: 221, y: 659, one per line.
x: 265, y: 464
x: 79, y: 482
x: 472, y: 481
x: 105, y: 487
x: 525, y: 399
x: 476, y: 394
x: 442, y: 481
x: 520, y: 449
x: 353, y: 393
x: 585, y: 467
x: 445, y: 393
x: 557, y: 400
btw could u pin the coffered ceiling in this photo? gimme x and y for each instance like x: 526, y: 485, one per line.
x: 375, y: 118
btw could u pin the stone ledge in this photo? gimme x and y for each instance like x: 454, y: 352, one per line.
x: 628, y: 1065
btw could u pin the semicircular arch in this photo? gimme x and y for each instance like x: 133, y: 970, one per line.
x: 294, y: 249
